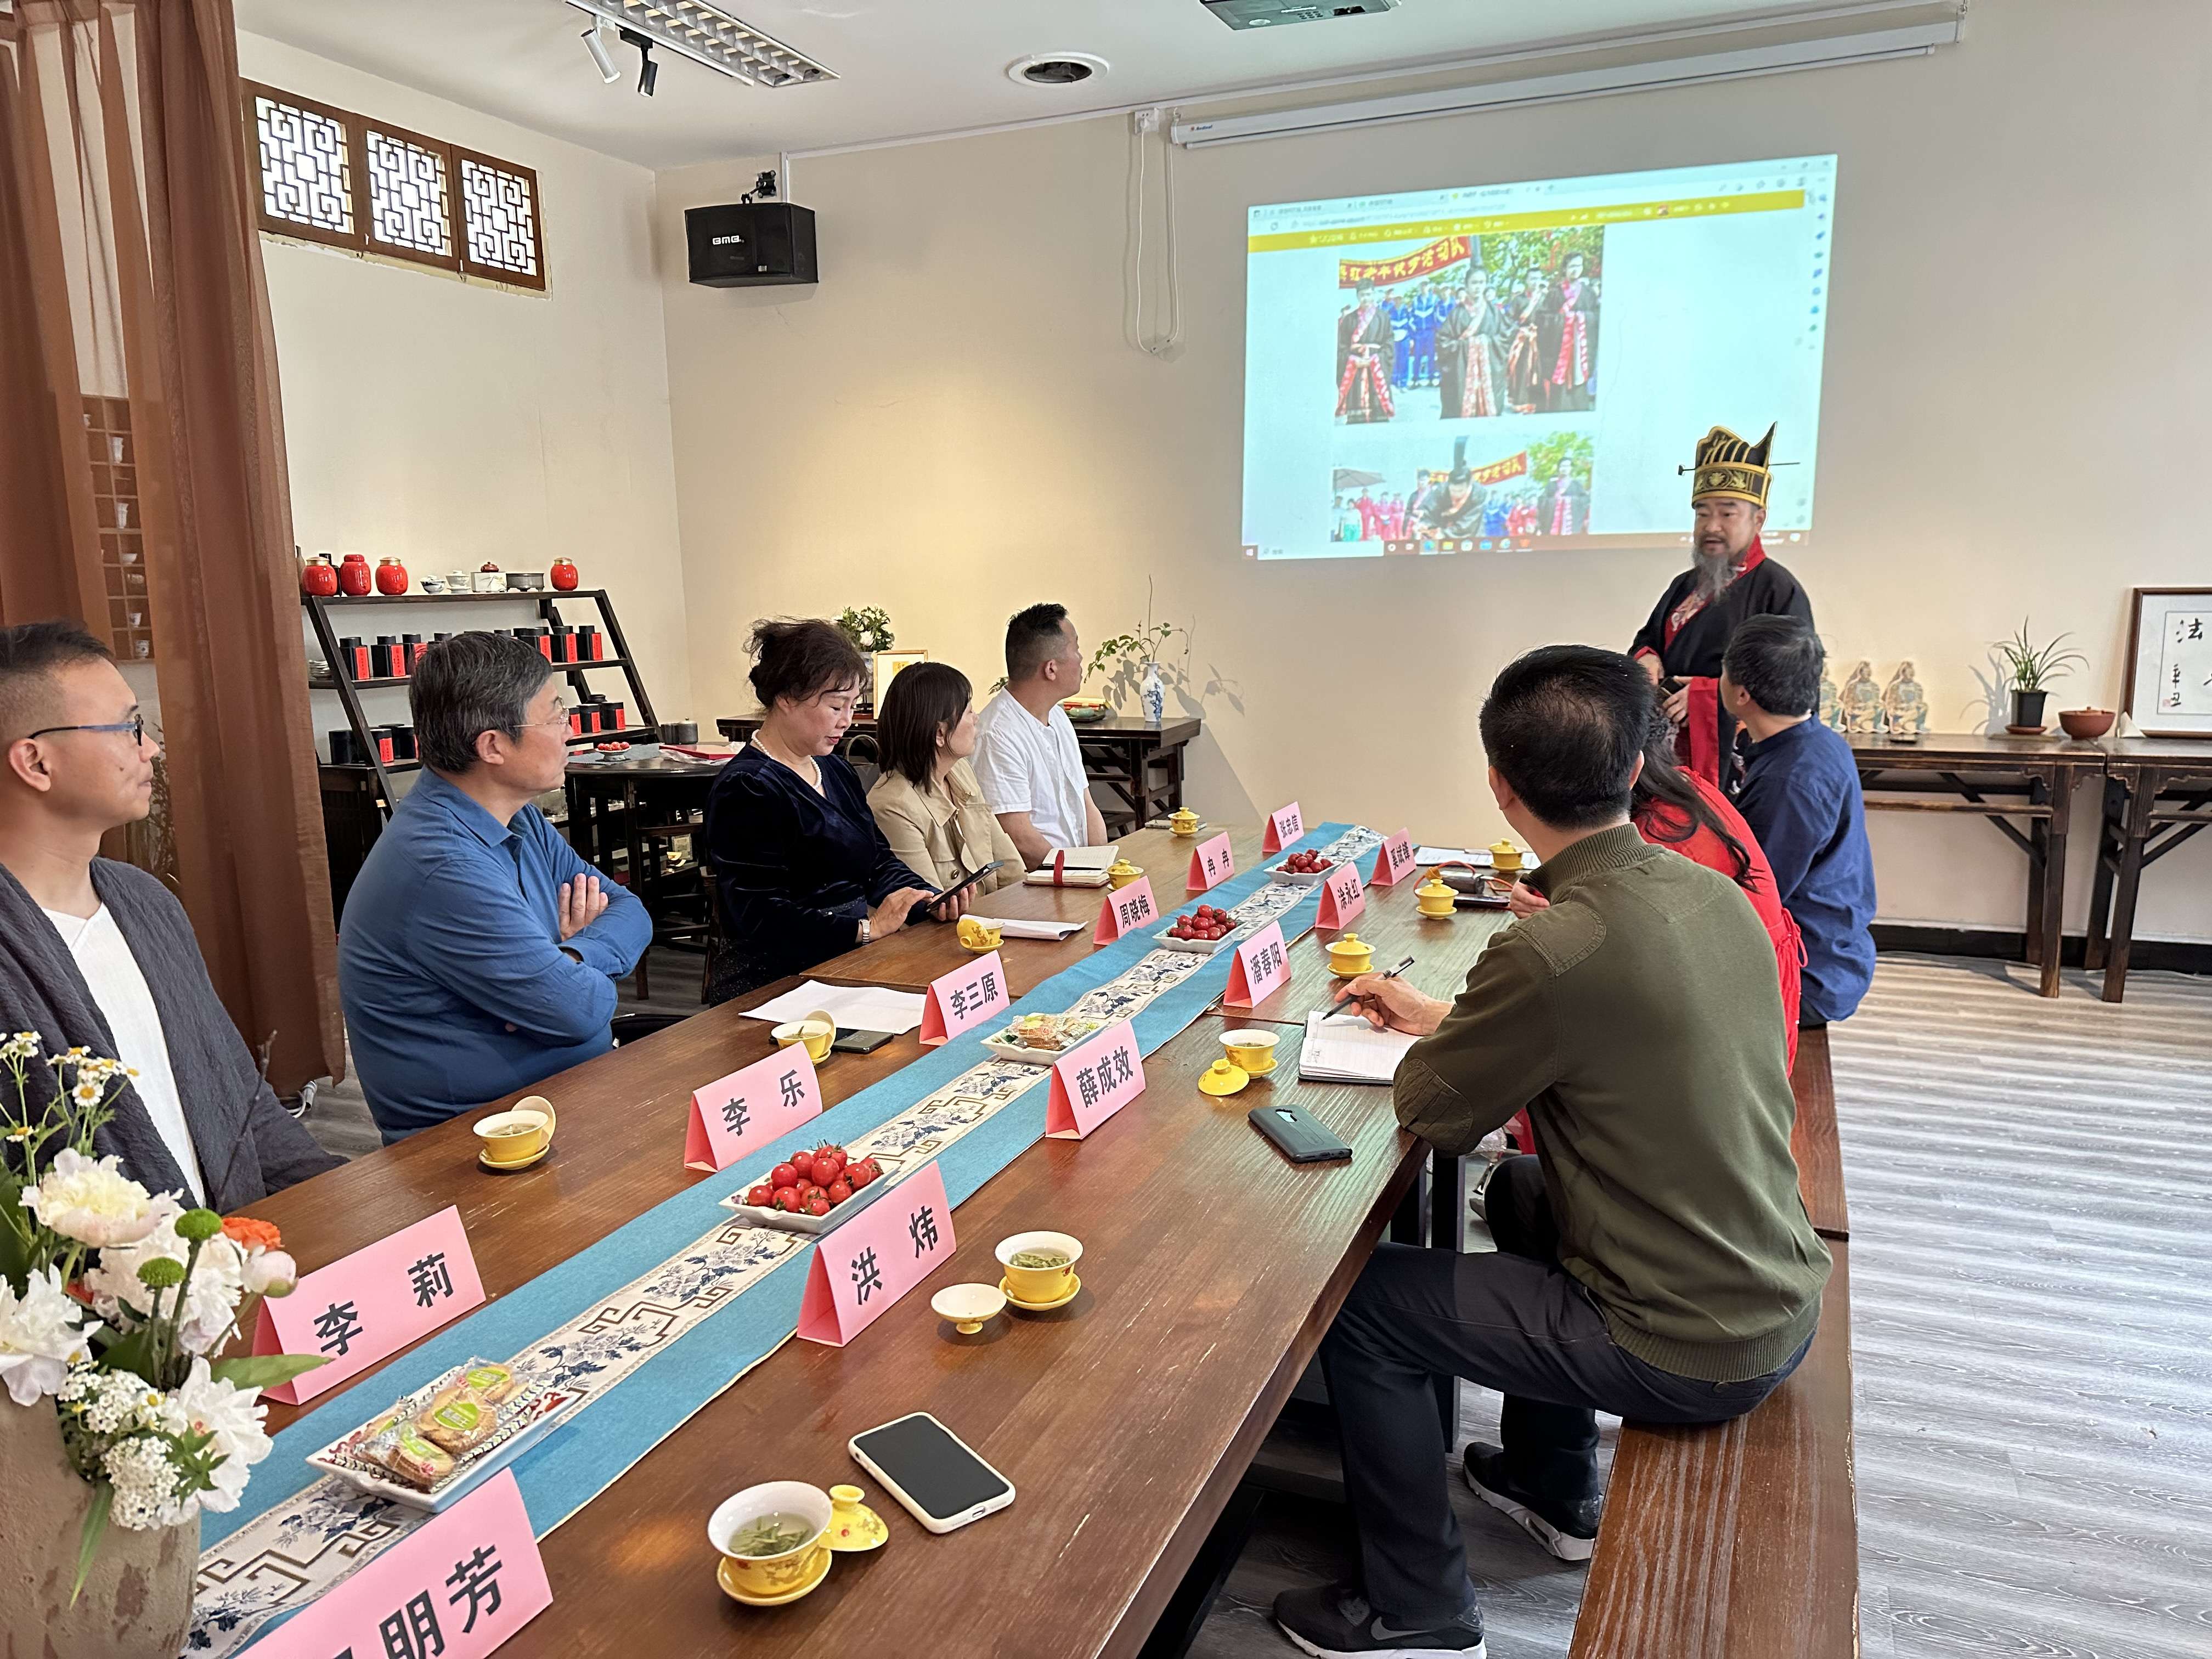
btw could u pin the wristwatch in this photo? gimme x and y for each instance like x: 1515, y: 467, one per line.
x: 867, y: 929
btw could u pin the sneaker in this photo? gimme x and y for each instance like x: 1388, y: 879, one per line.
x: 1567, y: 1530
x: 1335, y: 1622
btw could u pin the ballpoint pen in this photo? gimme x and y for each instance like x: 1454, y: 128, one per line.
x: 1348, y: 1008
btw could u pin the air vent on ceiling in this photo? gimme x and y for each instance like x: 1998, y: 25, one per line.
x: 1056, y: 69
x: 1273, y: 14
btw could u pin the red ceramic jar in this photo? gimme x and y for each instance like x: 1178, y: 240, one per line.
x: 563, y: 575
x: 354, y: 578
x: 391, y: 577
x: 319, y: 577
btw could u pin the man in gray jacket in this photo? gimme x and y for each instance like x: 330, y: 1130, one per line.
x: 97, y: 954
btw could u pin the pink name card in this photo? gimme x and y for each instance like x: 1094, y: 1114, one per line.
x: 1127, y: 909
x: 1342, y: 897
x: 457, y: 1586
x: 751, y: 1107
x: 876, y: 1257
x: 367, y: 1306
x: 1395, y: 862
x: 1260, y: 965
x: 1211, y: 864
x: 1284, y: 825
x: 1094, y: 1082
x: 963, y: 998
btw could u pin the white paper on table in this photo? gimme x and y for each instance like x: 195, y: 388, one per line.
x: 1021, y: 928
x: 854, y: 1007
x: 1350, y: 1051
x: 1475, y: 856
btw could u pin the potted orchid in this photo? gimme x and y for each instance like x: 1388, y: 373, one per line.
x: 115, y: 1303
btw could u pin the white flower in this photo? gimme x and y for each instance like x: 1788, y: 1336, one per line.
x: 271, y: 1272
x: 233, y: 1416
x: 145, y: 1483
x: 110, y: 1402
x: 24, y: 1045
x: 94, y: 1202
x: 211, y: 1296
x: 42, y: 1332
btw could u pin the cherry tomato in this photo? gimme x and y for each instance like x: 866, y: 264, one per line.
x: 783, y: 1175
x: 788, y: 1198
x: 762, y: 1196
x: 839, y: 1192
x: 827, y: 1160
x: 817, y: 1204
x: 860, y: 1175
x: 809, y: 1171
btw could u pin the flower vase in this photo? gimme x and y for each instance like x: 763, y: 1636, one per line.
x: 1154, y: 694
x: 137, y: 1603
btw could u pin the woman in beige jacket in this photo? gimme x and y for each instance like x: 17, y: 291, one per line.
x: 928, y: 802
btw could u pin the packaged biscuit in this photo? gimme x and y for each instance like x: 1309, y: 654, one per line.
x: 490, y: 1382
x: 460, y: 1422
x: 403, y: 1449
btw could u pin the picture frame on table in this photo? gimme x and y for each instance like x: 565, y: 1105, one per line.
x: 887, y: 667
x: 2169, y: 681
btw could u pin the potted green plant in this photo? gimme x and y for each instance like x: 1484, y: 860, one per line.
x: 1130, y: 662
x: 2029, y: 670
x: 869, y: 627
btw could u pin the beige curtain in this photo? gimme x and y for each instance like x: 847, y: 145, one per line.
x: 143, y: 482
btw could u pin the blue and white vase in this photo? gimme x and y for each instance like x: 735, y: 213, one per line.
x: 1154, y: 694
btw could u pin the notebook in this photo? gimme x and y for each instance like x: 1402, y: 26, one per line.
x: 1350, y: 1051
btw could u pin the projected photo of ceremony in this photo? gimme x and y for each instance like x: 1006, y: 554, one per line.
x: 1540, y: 489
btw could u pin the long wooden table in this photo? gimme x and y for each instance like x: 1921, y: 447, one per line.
x: 2158, y: 794
x: 1124, y: 1421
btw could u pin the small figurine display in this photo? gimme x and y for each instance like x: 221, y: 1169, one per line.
x: 1862, y: 702
x: 1832, y: 702
x: 1904, y: 706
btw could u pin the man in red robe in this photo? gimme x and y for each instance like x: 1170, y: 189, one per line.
x: 1730, y: 578
x: 1362, y: 356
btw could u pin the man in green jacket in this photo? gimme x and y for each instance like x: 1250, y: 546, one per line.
x: 1653, y: 1260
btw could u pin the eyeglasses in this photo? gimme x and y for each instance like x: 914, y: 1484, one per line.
x: 558, y: 717
x: 135, y: 725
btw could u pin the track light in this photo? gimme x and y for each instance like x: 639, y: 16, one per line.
x: 596, y: 40
x: 648, y: 72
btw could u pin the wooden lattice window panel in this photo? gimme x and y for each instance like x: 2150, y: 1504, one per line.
x: 328, y: 175
x: 113, y: 453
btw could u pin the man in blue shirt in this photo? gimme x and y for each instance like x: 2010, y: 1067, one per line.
x: 1801, y: 797
x: 478, y: 953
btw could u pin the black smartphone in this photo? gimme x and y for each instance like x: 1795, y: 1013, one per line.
x: 858, y: 1043
x: 1296, y: 1136
x: 930, y: 1471
x: 968, y: 879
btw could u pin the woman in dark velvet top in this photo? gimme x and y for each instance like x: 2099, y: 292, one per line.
x: 801, y: 873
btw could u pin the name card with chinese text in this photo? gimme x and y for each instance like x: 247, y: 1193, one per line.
x: 1126, y: 909
x: 456, y: 1587
x: 1211, y: 864
x: 862, y: 1267
x: 1260, y: 965
x: 1284, y: 826
x: 366, y: 1306
x: 1342, y: 897
x: 963, y: 998
x: 1394, y: 862
x: 1094, y: 1082
x: 751, y: 1107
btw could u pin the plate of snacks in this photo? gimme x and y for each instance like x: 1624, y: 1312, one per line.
x: 1041, y: 1039
x: 1202, y: 931
x: 811, y: 1192
x: 1301, y: 870
x: 1084, y: 711
x: 436, y: 1443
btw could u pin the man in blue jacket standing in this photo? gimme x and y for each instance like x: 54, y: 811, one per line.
x: 1801, y: 797
x: 478, y: 953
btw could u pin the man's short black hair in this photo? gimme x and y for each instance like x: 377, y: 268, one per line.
x: 467, y: 685
x: 1034, y: 638
x: 1563, y: 725
x: 1778, y: 662
x: 30, y: 653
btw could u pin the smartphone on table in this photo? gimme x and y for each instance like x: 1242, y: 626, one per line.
x: 962, y: 882
x: 931, y: 1472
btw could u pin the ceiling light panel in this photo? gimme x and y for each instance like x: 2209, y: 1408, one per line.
x: 707, y: 34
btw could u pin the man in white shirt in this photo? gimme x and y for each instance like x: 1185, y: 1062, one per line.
x: 1026, y: 756
x: 100, y: 955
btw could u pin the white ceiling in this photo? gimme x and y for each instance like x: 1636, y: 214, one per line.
x: 905, y: 67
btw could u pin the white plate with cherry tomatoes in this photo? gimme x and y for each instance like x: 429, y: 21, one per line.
x: 838, y: 1198
x: 1301, y: 870
x: 1200, y: 931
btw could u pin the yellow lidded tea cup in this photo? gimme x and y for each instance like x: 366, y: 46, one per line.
x: 1252, y: 1052
x: 1505, y: 855
x: 1122, y: 872
x: 817, y: 1031
x: 518, y: 1133
x: 1433, y: 898
x: 1183, y: 821
x: 1350, y: 956
x: 763, y: 1576
x: 1039, y: 1283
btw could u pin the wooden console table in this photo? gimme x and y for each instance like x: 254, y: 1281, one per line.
x: 1141, y: 763
x: 2002, y: 778
x: 2158, y: 793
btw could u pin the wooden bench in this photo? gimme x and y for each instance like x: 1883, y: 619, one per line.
x: 1740, y: 1540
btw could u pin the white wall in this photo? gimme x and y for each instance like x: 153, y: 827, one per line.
x: 954, y: 423
x: 449, y: 423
